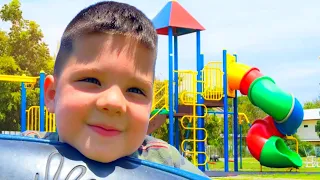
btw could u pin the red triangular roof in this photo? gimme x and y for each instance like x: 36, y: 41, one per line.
x: 180, y: 17
x: 174, y: 15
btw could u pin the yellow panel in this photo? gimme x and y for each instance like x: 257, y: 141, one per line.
x: 212, y: 84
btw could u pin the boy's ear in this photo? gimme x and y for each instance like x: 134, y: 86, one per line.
x: 50, y: 93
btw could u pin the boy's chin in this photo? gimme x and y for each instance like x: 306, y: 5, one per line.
x: 102, y: 159
x: 105, y: 157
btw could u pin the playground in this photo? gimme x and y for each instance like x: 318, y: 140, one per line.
x: 187, y: 97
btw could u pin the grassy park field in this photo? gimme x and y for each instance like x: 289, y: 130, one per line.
x: 250, y: 164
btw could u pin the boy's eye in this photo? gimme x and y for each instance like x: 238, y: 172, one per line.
x: 91, y: 80
x: 135, y: 90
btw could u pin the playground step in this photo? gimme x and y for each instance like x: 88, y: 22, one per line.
x: 184, y: 110
x: 213, y: 104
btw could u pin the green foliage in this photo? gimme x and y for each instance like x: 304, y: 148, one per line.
x: 303, y: 147
x: 318, y: 128
x: 214, y: 127
x: 22, y: 51
x: 11, y: 12
x: 312, y: 104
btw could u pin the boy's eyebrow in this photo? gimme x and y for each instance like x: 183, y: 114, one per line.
x: 86, y: 69
x: 142, y: 81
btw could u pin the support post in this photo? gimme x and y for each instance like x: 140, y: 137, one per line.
x: 225, y: 114
x: 240, y: 132
x: 171, y: 122
x: 23, y: 108
x: 235, y: 128
x: 42, y: 121
x: 176, y: 93
x: 200, y: 109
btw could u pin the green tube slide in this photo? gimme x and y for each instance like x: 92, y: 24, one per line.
x: 276, y: 154
x: 265, y: 94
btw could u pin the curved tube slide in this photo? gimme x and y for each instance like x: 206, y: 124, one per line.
x: 285, y: 112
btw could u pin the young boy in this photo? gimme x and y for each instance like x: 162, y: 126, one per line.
x: 101, y: 89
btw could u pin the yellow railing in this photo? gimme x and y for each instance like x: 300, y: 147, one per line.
x: 50, y: 121
x: 212, y: 84
x: 23, y: 78
x: 297, y: 149
x: 188, y: 88
x: 160, y: 97
x: 243, y: 116
x: 296, y: 141
x: 33, y: 119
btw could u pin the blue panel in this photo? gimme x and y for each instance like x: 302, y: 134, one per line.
x: 290, y: 126
x: 162, y: 19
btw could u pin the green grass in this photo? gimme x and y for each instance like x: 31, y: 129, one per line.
x: 250, y: 164
x: 274, y: 176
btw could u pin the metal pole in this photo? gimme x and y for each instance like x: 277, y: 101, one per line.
x: 171, y: 122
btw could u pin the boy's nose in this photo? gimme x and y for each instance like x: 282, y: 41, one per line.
x: 112, y: 101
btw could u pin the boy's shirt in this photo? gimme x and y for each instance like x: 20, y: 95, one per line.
x: 152, y: 149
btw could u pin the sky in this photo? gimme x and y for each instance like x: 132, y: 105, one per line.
x: 281, y: 38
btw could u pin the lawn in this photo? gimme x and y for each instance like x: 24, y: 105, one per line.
x: 250, y: 164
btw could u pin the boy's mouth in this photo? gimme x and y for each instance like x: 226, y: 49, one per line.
x: 105, y: 130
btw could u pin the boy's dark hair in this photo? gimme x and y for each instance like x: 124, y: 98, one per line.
x: 106, y: 17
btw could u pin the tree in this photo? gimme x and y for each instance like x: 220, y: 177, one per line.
x: 318, y: 128
x: 312, y: 104
x: 22, y: 51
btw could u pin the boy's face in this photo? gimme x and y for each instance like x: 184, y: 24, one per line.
x: 102, y: 98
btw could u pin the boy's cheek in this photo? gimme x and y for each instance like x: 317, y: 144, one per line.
x: 71, y: 96
x: 140, y: 119
x: 142, y: 112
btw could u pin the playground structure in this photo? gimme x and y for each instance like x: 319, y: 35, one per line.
x: 211, y: 86
x: 36, y: 117
x: 185, y: 98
